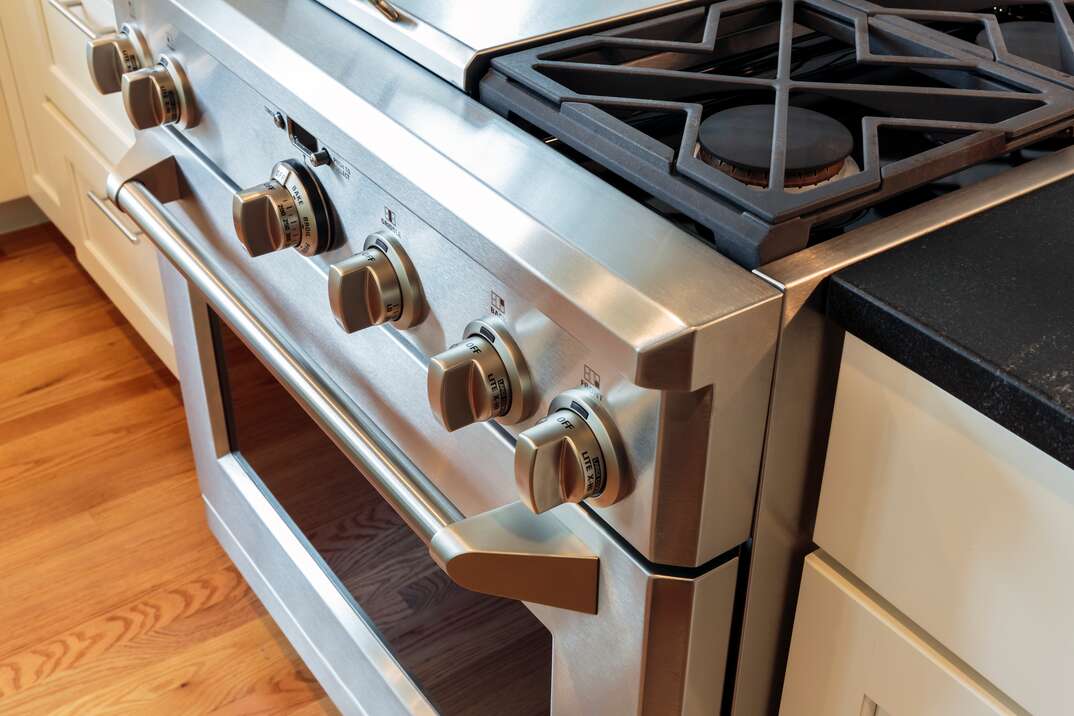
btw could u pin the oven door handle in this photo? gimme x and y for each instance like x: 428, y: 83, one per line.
x: 507, y: 552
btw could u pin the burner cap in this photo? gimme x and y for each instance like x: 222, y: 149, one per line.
x: 738, y: 141
x: 1032, y: 40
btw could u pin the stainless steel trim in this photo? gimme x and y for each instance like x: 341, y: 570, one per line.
x: 807, y: 367
x: 452, y: 39
x: 105, y: 206
x: 66, y: 9
x: 538, y: 561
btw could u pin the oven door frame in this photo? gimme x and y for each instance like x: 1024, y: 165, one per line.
x: 654, y: 640
x: 298, y: 589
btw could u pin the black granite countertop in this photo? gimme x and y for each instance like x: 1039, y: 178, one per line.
x: 984, y: 309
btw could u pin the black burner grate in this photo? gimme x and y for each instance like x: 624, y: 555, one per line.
x: 632, y: 99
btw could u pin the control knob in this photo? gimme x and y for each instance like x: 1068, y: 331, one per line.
x: 376, y: 286
x: 111, y: 56
x: 484, y: 377
x: 289, y: 210
x: 158, y: 95
x: 573, y: 454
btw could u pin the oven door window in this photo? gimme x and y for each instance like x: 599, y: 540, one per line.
x: 468, y: 653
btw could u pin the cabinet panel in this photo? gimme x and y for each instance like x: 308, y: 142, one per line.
x: 49, y: 180
x: 851, y: 656
x: 68, y: 84
x: 963, y: 526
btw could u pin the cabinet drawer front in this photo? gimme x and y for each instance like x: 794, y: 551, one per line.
x: 963, y: 526
x: 852, y: 657
x: 68, y: 85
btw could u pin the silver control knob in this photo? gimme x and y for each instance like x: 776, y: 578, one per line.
x: 572, y: 455
x: 289, y: 210
x: 158, y: 95
x: 482, y: 378
x: 375, y: 286
x: 111, y: 56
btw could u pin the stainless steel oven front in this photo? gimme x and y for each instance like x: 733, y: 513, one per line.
x: 395, y: 554
x: 355, y: 532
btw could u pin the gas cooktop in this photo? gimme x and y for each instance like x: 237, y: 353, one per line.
x: 763, y: 127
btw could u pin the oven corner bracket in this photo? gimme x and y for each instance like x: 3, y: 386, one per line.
x: 151, y: 163
x: 511, y: 552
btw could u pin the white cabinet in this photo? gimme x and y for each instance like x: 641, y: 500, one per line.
x: 69, y: 137
x: 852, y: 656
x: 962, y: 526
x: 12, y: 183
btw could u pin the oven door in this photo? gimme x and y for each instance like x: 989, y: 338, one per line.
x: 355, y: 551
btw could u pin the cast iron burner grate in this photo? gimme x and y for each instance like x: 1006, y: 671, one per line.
x: 921, y: 104
x: 1035, y: 35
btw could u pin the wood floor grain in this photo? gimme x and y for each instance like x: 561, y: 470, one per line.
x: 114, y: 596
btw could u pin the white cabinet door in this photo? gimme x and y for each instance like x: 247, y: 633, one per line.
x: 48, y: 175
x: 851, y: 656
x: 963, y: 526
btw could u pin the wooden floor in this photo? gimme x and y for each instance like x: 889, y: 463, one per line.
x: 114, y: 596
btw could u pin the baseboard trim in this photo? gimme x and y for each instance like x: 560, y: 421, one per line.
x: 20, y: 214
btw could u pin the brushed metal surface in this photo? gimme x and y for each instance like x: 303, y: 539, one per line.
x: 451, y: 39
x: 598, y: 659
x: 590, y: 282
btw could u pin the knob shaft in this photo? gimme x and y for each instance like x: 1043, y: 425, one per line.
x: 289, y: 210
x: 375, y: 286
x: 482, y: 378
x: 572, y: 455
x: 158, y: 95
x: 111, y: 56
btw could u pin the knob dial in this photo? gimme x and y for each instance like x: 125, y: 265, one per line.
x: 158, y: 95
x: 111, y: 56
x: 482, y: 378
x: 289, y: 210
x: 376, y: 286
x: 573, y: 454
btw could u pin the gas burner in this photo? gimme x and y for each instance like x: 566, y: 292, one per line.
x: 1033, y: 40
x: 738, y: 142
x: 682, y: 107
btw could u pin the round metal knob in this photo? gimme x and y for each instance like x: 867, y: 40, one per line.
x: 375, y: 286
x: 158, y: 95
x: 482, y: 378
x: 289, y: 210
x: 572, y: 455
x: 111, y: 56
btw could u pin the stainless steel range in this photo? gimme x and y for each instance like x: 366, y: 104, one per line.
x: 547, y: 279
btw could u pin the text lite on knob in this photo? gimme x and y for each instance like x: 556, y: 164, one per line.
x: 484, y: 377
x: 574, y: 454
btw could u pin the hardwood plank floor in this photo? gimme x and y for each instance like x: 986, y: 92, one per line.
x: 114, y: 596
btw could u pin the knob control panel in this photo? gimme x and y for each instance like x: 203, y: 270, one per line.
x: 376, y: 286
x: 158, y: 95
x: 289, y: 210
x: 482, y: 378
x: 111, y: 56
x: 573, y: 454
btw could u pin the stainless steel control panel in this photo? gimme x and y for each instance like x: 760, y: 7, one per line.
x: 660, y: 435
